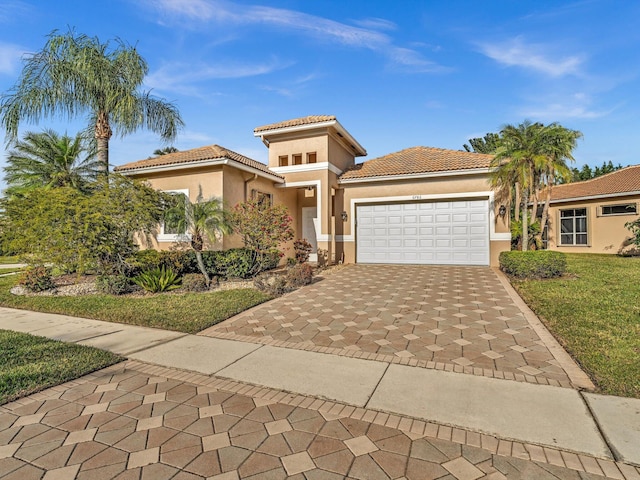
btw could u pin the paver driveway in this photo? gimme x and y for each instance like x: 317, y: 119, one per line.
x: 453, y: 318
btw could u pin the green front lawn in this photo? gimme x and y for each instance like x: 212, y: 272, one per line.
x: 30, y: 364
x: 4, y: 271
x: 188, y: 312
x: 594, y: 311
x: 4, y: 260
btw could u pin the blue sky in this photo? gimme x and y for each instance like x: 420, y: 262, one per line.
x: 396, y: 74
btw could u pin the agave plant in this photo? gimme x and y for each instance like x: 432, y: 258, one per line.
x: 158, y: 280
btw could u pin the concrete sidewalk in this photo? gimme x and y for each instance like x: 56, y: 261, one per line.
x: 562, y: 418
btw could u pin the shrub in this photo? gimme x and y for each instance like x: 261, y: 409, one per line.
x: 36, y: 278
x: 113, y: 284
x: 533, y: 264
x: 158, y: 280
x: 300, y: 275
x: 194, y: 282
x: 302, y: 250
x: 275, y: 285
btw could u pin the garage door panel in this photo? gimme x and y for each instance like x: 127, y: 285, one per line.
x: 452, y: 232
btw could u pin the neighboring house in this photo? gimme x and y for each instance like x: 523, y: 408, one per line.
x: 417, y: 206
x: 590, y: 216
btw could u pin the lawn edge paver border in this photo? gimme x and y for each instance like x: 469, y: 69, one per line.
x: 379, y: 357
x: 577, y: 376
x: 413, y: 427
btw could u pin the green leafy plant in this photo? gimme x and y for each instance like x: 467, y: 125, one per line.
x: 158, y: 280
x: 634, y: 228
x: 533, y: 264
x: 193, y: 282
x: 113, y: 284
x: 36, y: 278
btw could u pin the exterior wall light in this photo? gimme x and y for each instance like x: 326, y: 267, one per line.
x: 344, y: 216
x: 502, y: 211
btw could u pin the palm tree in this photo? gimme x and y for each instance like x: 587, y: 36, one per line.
x: 201, y: 220
x: 46, y: 159
x: 164, y: 151
x: 75, y: 74
x: 559, y: 143
x: 521, y: 149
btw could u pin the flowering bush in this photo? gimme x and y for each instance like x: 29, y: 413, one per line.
x: 263, y: 228
x: 302, y: 249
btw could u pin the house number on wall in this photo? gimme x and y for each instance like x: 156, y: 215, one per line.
x: 417, y: 197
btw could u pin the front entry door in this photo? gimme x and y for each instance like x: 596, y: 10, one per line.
x: 309, y: 214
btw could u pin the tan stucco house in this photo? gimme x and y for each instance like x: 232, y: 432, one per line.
x: 418, y: 206
x: 590, y: 216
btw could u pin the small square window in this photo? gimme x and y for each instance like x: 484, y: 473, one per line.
x: 263, y: 198
x: 297, y: 159
x: 312, y: 157
x: 283, y: 160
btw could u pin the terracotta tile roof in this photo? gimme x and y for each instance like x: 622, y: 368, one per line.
x: 210, y: 152
x: 621, y: 181
x: 418, y: 160
x: 296, y: 122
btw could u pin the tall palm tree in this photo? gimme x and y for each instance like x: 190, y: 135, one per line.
x: 164, y: 151
x: 202, y: 220
x: 559, y: 143
x: 46, y: 159
x: 75, y: 74
x: 521, y: 149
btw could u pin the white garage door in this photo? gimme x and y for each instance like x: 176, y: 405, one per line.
x: 438, y: 233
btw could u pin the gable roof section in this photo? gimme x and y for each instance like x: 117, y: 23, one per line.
x: 194, y: 158
x: 625, y: 180
x: 417, y: 161
x: 296, y: 122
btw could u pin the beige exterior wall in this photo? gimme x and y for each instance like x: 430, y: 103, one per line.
x: 338, y: 156
x: 456, y: 187
x: 286, y: 145
x: 605, y: 234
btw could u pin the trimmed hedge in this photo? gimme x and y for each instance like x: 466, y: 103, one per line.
x: 533, y: 264
x: 232, y: 263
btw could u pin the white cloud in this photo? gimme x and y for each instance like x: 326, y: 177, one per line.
x: 184, y: 78
x: 364, y: 34
x: 10, y: 56
x: 517, y: 53
x: 11, y: 10
x: 576, y: 106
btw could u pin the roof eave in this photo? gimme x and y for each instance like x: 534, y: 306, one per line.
x: 211, y: 162
x: 413, y: 176
x: 597, y: 197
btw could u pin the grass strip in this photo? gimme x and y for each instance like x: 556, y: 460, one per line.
x: 29, y: 364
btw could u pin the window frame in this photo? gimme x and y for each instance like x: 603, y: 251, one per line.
x: 573, y: 233
x: 261, y: 196
x: 313, y: 155
x: 283, y: 160
x: 173, y: 237
x: 624, y: 205
x: 296, y: 157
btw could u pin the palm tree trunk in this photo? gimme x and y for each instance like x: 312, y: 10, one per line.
x: 534, y: 211
x: 517, y: 206
x: 545, y: 208
x: 103, y: 135
x: 202, y: 268
x: 525, y: 224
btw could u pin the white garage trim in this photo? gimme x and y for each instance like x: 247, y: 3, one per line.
x: 493, y: 236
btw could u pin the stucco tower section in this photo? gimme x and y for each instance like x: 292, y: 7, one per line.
x: 311, y: 153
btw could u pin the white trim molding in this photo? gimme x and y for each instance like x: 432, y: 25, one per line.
x: 414, y: 176
x: 174, y: 237
x: 487, y: 195
x: 307, y: 167
x: 205, y: 163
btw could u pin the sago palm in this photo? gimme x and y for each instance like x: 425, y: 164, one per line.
x: 75, y: 75
x: 46, y: 159
x: 202, y: 220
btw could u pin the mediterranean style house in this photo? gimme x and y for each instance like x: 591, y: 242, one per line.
x: 420, y: 205
x: 590, y: 216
